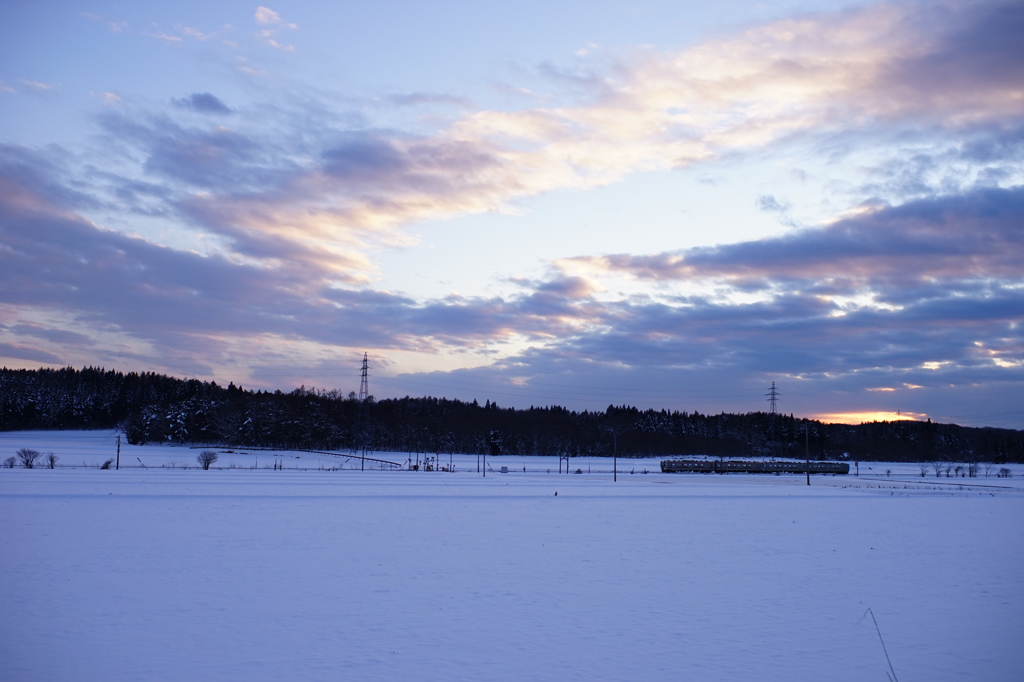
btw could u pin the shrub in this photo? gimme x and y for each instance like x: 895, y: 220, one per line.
x: 51, y: 459
x: 206, y: 458
x: 28, y: 457
x: 1004, y: 473
x: 106, y: 465
x: 9, y: 462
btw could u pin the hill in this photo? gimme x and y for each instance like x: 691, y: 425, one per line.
x: 151, y: 407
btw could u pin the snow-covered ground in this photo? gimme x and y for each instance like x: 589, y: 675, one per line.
x: 166, y: 573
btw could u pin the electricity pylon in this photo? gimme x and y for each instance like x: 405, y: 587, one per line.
x: 361, y: 442
x: 773, y: 397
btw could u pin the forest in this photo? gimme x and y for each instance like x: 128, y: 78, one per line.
x: 151, y: 408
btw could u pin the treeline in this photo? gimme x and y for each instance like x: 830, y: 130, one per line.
x: 153, y: 408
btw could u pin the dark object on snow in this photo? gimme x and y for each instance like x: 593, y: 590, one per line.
x: 717, y: 466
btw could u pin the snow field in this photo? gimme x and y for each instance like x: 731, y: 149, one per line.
x: 169, y: 574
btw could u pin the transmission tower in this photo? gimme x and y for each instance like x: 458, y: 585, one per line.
x: 773, y: 398
x: 364, y: 384
x: 361, y: 441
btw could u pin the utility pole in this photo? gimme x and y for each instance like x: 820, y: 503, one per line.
x: 615, y: 453
x: 117, y: 467
x: 807, y: 450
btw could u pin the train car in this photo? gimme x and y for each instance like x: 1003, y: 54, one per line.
x: 731, y: 466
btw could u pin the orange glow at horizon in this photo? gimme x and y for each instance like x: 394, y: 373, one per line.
x: 859, y: 417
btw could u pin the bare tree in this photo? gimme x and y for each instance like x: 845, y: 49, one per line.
x: 938, y: 468
x: 51, y: 459
x: 1004, y: 473
x: 924, y: 468
x: 988, y: 468
x: 206, y: 458
x: 973, y: 464
x: 9, y: 462
x: 28, y: 457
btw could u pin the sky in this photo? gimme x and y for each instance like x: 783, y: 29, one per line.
x: 663, y: 204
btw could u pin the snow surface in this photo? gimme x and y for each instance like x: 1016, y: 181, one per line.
x: 170, y: 573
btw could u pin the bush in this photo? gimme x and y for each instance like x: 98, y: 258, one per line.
x: 206, y: 458
x: 1004, y: 473
x: 9, y: 462
x: 106, y: 465
x: 51, y: 459
x: 28, y: 457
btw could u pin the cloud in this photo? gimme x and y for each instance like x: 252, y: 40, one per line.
x: 964, y: 237
x: 167, y: 38
x: 59, y: 336
x: 55, y: 260
x: 115, y: 26
x: 268, y: 39
x: 203, y: 102
x: 909, y: 284
x: 303, y: 185
x: 210, y: 158
x: 943, y: 323
x: 268, y: 17
x: 822, y: 73
x: 196, y: 33
x: 980, y: 57
x: 288, y: 203
x: 412, y: 99
x: 38, y: 88
x: 861, y: 417
x: 22, y: 352
x: 265, y: 15
x: 769, y: 203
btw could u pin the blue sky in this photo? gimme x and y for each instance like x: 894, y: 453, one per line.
x: 667, y: 204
